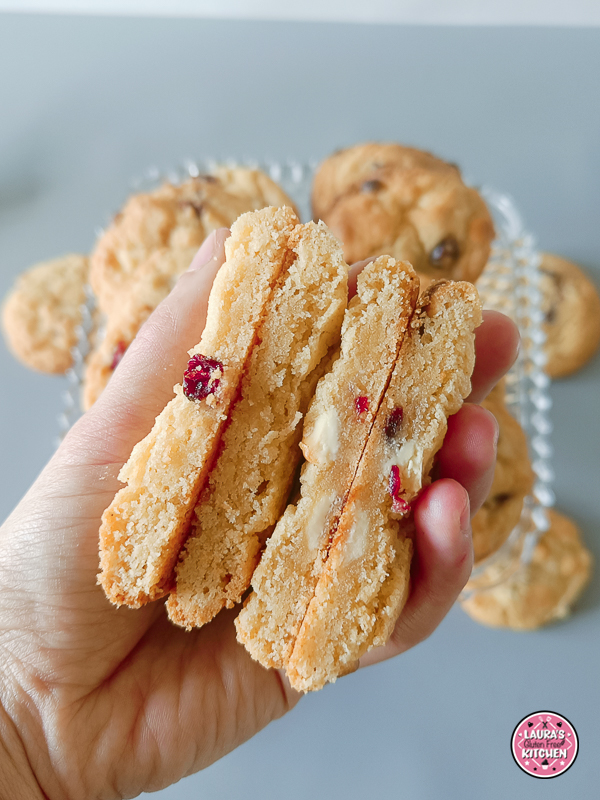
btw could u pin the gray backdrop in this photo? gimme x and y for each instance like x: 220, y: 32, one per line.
x: 88, y: 103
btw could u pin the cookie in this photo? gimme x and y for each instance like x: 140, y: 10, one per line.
x: 174, y: 218
x: 248, y: 486
x: 543, y: 591
x: 41, y: 314
x: 571, y: 307
x: 513, y: 481
x: 144, y: 527
x: 317, y: 615
x: 154, y: 280
x: 386, y: 198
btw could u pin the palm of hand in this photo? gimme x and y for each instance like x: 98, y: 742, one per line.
x: 111, y: 702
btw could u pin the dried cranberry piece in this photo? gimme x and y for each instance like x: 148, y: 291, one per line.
x: 394, y: 421
x: 361, y: 404
x: 399, y: 505
x: 445, y: 254
x: 198, y: 381
x: 118, y: 354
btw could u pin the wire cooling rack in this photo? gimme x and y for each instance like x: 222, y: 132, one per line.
x: 509, y: 283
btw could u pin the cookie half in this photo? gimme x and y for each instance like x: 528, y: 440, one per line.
x: 250, y: 481
x: 144, y: 527
x: 543, y: 591
x: 364, y: 584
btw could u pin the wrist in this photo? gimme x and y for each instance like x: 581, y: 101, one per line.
x: 17, y: 779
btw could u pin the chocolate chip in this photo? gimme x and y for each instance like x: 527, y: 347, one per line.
x: 502, y: 498
x: 208, y: 178
x: 195, y: 206
x: 551, y: 314
x: 445, y: 254
x: 371, y: 186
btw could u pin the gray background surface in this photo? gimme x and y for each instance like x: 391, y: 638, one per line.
x: 88, y: 103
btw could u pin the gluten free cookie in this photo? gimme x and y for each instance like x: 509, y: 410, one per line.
x: 386, y: 198
x: 571, y: 308
x: 543, y: 591
x: 41, y: 314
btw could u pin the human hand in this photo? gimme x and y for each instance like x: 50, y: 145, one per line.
x: 106, y: 703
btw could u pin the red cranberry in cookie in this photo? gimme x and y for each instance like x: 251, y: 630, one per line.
x: 201, y: 377
x: 361, y: 404
x: 394, y: 421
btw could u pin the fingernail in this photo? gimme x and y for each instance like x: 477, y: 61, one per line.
x: 205, y: 253
x: 465, y: 518
x: 496, y: 435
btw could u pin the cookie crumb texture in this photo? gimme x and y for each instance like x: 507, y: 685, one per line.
x: 387, y: 198
x: 543, y: 591
x: 41, y: 314
x: 571, y: 307
x: 143, y: 529
x: 249, y: 484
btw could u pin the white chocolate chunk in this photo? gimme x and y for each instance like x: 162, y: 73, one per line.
x: 356, y: 543
x: 314, y: 528
x: 323, y: 442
